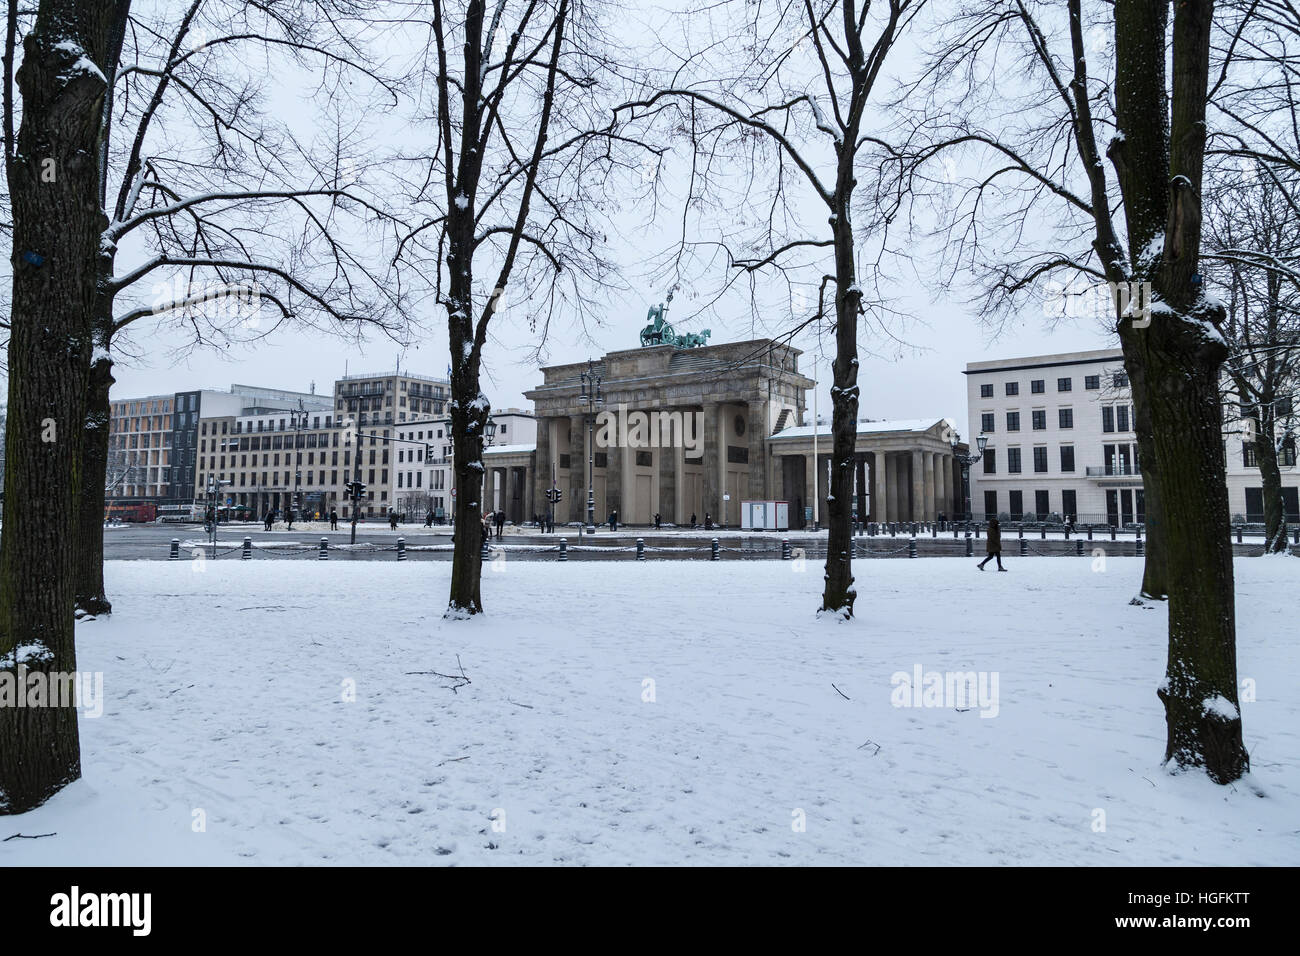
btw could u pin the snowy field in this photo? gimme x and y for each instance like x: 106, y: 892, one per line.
x: 226, y: 737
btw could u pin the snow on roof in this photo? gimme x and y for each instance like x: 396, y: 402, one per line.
x: 509, y: 449
x: 868, y: 428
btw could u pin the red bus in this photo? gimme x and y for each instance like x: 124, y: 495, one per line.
x: 132, y: 511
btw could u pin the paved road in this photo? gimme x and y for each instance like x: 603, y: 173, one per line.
x: 378, y: 542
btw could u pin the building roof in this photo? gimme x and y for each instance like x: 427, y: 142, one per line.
x: 509, y: 449
x: 867, y: 428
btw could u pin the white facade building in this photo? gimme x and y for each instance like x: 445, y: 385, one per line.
x: 1061, y: 443
x: 422, y: 481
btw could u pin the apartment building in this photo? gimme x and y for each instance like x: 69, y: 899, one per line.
x: 389, y: 398
x: 1061, y: 442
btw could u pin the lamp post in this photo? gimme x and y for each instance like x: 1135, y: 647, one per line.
x: 490, y: 430
x: 966, y: 461
x: 297, y: 422
x: 591, y: 398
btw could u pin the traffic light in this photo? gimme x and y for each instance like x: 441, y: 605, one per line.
x: 554, y: 494
x: 355, y: 488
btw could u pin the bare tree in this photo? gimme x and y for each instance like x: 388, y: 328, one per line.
x: 1253, y: 250
x: 525, y: 148
x: 53, y: 189
x: 789, y: 96
x: 990, y: 74
x: 228, y: 216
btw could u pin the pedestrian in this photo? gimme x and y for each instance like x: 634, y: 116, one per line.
x: 392, y: 519
x: 266, y: 522
x: 428, y: 519
x: 289, y: 520
x: 334, y: 519
x: 692, y: 520
x: 993, y: 545
x: 500, y: 518
x: 708, y: 521
x: 657, y: 520
x: 613, y: 520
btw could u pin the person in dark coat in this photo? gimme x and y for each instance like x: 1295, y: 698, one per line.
x: 428, y: 519
x: 693, y: 522
x: 289, y: 520
x: 613, y: 520
x: 392, y: 519
x: 500, y: 519
x: 334, y: 519
x: 708, y: 521
x: 658, y: 520
x: 993, y: 545
x: 266, y: 522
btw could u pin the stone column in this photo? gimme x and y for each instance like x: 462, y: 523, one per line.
x: 927, y: 504
x: 541, y: 468
x: 812, y: 485
x: 892, y: 484
x: 918, y: 486
x: 668, y: 470
x: 713, y: 460
x: 614, y: 473
x: 947, y: 485
x: 578, y: 468
x: 878, y: 493
x: 756, y: 432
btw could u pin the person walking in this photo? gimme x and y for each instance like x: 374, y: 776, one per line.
x: 613, y: 520
x: 658, y: 520
x: 693, y: 521
x: 500, y: 518
x: 289, y: 520
x: 428, y: 519
x: 334, y: 519
x: 708, y: 521
x: 993, y: 545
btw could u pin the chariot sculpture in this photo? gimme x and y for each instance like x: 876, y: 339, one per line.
x: 658, y: 331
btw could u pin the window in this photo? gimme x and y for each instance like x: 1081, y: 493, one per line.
x: 1119, y: 380
x: 1248, y: 455
x: 990, y: 462
x: 1040, y: 460
x: 1121, y: 418
x: 1069, y: 504
x: 1040, y: 420
x: 990, y: 504
x: 1064, y: 384
x: 1287, y: 457
x: 1107, y: 418
x: 986, y: 391
x: 1013, y: 461
x: 1016, y: 504
x: 1013, y: 421
x: 1067, y: 458
x: 1041, y: 504
x: 1013, y: 388
x: 1065, y: 417
x: 986, y: 422
x: 1037, y: 386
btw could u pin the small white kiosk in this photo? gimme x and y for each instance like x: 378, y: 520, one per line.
x: 765, y: 516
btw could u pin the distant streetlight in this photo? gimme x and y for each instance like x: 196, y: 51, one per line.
x: 591, y: 397
x: 966, y: 460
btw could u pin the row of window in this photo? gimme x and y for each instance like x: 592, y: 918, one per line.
x: 272, y: 479
x: 1285, y: 456
x: 1113, y: 418
x: 1119, y: 459
x: 1038, y: 386
x: 1123, y: 505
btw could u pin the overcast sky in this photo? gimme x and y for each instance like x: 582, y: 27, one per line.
x: 916, y: 378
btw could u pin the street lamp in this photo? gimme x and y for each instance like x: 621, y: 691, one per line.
x: 966, y: 461
x: 491, y: 430
x: 297, y: 421
x: 592, y: 399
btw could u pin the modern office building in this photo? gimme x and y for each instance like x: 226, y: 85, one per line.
x: 1061, y: 442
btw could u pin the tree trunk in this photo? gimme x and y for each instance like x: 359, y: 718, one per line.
x: 91, y: 597
x: 839, y: 593
x: 57, y: 222
x: 1155, y: 563
x: 1271, y: 478
x: 1200, y: 688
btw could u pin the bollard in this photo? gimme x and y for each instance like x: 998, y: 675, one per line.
x: 785, y: 549
x: 176, y: 549
x: 401, y: 549
x: 911, y: 547
x: 1297, y: 534
x: 970, y: 546
x: 934, y: 530
x: 977, y: 531
x: 324, y: 549
x: 1139, y: 550
x: 1067, y: 532
x: 248, y: 549
x: 486, y: 553
x: 640, y: 549
x: 1112, y: 532
x: 564, y: 549
x: 1078, y: 546
x: 955, y: 532
x: 1024, y: 547
x: 893, y: 529
x: 1238, y: 534
x: 1089, y: 532
x: 714, y: 556
x: 1022, y: 532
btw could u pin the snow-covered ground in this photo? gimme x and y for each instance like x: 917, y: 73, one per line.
x: 227, y: 735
